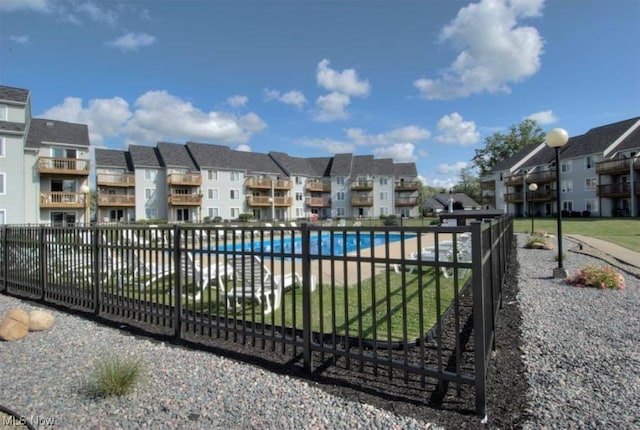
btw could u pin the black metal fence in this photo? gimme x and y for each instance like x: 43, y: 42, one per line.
x: 395, y: 302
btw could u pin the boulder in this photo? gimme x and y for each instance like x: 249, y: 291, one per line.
x: 40, y: 320
x: 14, y: 325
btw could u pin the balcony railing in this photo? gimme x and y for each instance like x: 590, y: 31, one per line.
x: 542, y: 176
x: 614, y: 190
x: 488, y: 185
x: 538, y: 196
x: 116, y: 199
x: 63, y: 166
x: 407, y: 185
x: 116, y: 179
x: 192, y: 179
x: 265, y: 183
x: 318, y: 186
x: 185, y: 199
x: 489, y: 200
x: 611, y: 167
x: 318, y: 202
x: 514, y: 179
x: 362, y: 185
x: 62, y: 200
x: 406, y: 201
x: 362, y: 201
x: 265, y: 201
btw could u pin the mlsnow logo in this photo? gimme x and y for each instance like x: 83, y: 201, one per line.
x: 36, y: 421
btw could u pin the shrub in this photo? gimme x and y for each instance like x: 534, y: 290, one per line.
x: 435, y: 221
x: 538, y: 241
x: 115, y: 376
x: 602, y: 277
x: 390, y: 220
x: 245, y: 217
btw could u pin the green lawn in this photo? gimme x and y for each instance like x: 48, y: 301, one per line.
x: 622, y: 231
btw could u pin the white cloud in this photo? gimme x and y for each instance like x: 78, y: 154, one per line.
x: 97, y: 14
x: 22, y: 40
x: 332, y: 107
x: 455, y: 131
x: 441, y: 183
x: 293, y: 97
x: 329, y: 145
x: 494, y: 50
x: 132, y: 41
x: 450, y: 169
x: 237, y: 101
x: 400, y: 152
x: 545, y: 117
x: 406, y: 134
x: 244, y: 148
x: 35, y: 5
x: 157, y: 115
x: 345, y: 82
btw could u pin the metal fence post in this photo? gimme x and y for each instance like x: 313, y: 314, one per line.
x: 177, y: 294
x: 5, y: 260
x: 42, y: 262
x: 479, y: 320
x: 306, y: 297
x: 97, y: 269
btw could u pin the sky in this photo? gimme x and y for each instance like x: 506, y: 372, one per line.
x: 422, y: 81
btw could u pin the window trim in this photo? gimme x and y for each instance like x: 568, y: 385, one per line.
x: 3, y: 147
x: 3, y: 184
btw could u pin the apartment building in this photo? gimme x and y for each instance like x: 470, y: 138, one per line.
x: 44, y: 165
x: 599, y: 176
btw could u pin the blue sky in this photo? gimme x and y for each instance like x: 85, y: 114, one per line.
x: 423, y: 81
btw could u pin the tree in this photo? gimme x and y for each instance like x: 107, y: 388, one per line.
x: 469, y: 184
x: 499, y: 147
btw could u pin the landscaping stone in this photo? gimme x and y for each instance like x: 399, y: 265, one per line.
x: 15, y: 325
x: 40, y: 320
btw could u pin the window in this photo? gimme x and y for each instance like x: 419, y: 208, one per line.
x: 588, y: 162
x: 299, y: 197
x: 298, y: 180
x: 566, y: 186
x: 213, y: 212
x: 299, y: 212
x: 566, y: 166
x: 234, y: 194
x: 340, y: 180
x: 384, y: 196
x: 384, y: 211
x: 384, y: 181
x: 340, y: 212
x: 234, y: 176
x: 150, y: 174
x: 148, y: 193
x: 3, y: 187
x: 591, y: 205
x: 151, y: 213
x: 212, y: 175
x: 4, y: 113
x: 2, y: 147
x: 340, y: 195
x: 590, y: 184
x: 212, y: 194
x: 235, y: 212
x: 567, y: 205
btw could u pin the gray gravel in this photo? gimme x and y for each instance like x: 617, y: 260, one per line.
x: 580, y: 346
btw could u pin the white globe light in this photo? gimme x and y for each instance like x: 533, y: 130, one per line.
x: 557, y: 137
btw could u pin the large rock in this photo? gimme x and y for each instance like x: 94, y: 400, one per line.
x: 15, y: 325
x: 40, y: 320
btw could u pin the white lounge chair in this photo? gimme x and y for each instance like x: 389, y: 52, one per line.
x: 204, y: 274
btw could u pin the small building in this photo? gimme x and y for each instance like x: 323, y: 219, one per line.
x: 442, y: 202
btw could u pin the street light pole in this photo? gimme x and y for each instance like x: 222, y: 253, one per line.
x: 272, y: 199
x: 532, y: 187
x: 86, y: 191
x: 557, y: 138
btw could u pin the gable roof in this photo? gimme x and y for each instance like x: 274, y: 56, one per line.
x: 225, y: 158
x: 293, y: 165
x: 596, y: 140
x: 405, y: 170
x: 176, y: 155
x: 341, y: 165
x: 630, y: 142
x: 145, y: 156
x: 51, y: 131
x: 113, y: 158
x: 441, y: 201
x: 12, y: 94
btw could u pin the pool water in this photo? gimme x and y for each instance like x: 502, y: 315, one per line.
x: 342, y: 243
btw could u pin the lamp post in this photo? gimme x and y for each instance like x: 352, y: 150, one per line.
x: 533, y: 187
x: 555, y: 139
x: 86, y: 190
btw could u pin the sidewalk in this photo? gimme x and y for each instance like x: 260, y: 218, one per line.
x: 625, y: 255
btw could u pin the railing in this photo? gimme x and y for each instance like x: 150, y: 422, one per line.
x: 489, y: 200
x: 613, y: 166
x: 399, y: 323
x: 541, y: 177
x: 362, y: 185
x: 514, y: 180
x: 318, y: 202
x: 116, y: 199
x: 61, y: 199
x: 406, y: 201
x: 266, y: 183
x: 116, y: 179
x: 185, y: 199
x: 407, y: 185
x: 318, y: 186
x: 63, y: 166
x: 488, y: 185
x: 192, y: 179
x: 362, y: 201
x: 279, y: 201
x: 541, y: 196
x: 614, y: 190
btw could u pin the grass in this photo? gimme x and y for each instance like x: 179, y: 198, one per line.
x: 622, y: 231
x: 114, y: 376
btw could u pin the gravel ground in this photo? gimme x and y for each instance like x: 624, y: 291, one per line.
x: 565, y: 358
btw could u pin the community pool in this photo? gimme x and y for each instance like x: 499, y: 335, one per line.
x: 336, y: 243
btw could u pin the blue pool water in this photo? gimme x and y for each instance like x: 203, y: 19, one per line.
x: 320, y: 245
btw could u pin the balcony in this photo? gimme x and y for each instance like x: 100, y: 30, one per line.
x: 318, y: 202
x: 265, y: 201
x: 488, y: 185
x: 185, y: 199
x: 614, y: 190
x: 489, y: 200
x: 189, y: 179
x: 120, y: 200
x: 362, y: 185
x: 542, y: 176
x: 362, y: 201
x: 613, y: 167
x: 63, y: 166
x: 62, y: 200
x: 514, y: 180
x: 406, y: 201
x: 116, y: 179
x: 542, y: 196
x: 407, y: 185
x: 265, y: 184
x: 318, y: 186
